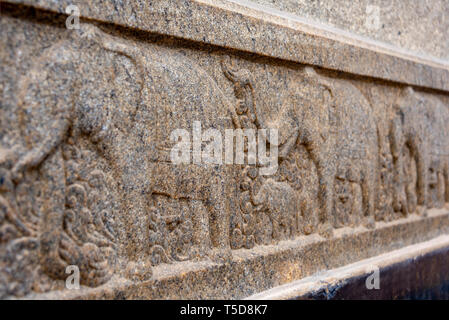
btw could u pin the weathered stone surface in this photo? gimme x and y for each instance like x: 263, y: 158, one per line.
x: 86, y: 178
x: 415, y: 272
x: 416, y: 26
x: 263, y: 32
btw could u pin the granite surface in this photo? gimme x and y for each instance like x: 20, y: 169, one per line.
x: 88, y: 181
x: 416, y: 272
x: 416, y: 26
x: 264, y: 32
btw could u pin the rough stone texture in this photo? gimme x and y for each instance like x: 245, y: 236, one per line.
x: 418, y: 26
x: 260, y: 31
x: 419, y: 271
x: 85, y: 174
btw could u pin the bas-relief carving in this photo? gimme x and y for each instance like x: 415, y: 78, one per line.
x: 419, y: 148
x: 112, y: 105
x: 192, y: 197
x: 74, y: 138
x: 330, y: 123
x: 438, y: 170
x: 93, y: 185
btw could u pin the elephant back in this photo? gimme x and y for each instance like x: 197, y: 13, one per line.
x: 179, y: 93
x: 354, y: 126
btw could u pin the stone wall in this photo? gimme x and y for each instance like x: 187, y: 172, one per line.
x: 416, y: 26
x: 87, y: 120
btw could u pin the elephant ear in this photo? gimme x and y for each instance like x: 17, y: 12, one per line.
x: 40, y: 106
x: 135, y: 70
x: 313, y: 77
x: 407, y: 98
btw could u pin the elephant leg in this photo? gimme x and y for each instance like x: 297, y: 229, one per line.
x: 368, y: 199
x: 397, y: 146
x: 422, y: 165
x: 276, y: 230
x: 325, y: 178
x: 219, y: 219
x: 134, y: 238
x: 412, y: 200
x: 310, y: 219
x: 441, y: 189
x: 357, y: 205
x: 200, y: 220
x: 292, y: 226
x: 326, y: 199
x: 446, y: 180
x: 52, y: 213
x: 399, y: 192
x: 133, y: 171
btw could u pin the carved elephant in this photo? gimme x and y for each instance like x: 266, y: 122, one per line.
x: 355, y: 148
x: 118, y: 98
x: 438, y: 140
x: 83, y: 94
x: 283, y: 205
x: 409, y: 135
x: 181, y: 93
x: 334, y: 122
x: 303, y: 120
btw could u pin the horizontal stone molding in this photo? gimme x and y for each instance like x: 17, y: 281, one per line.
x: 249, y: 27
x: 264, y: 267
x: 350, y: 278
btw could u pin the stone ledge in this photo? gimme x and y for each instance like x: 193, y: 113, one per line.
x: 429, y: 275
x: 256, y: 29
x: 265, y: 267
